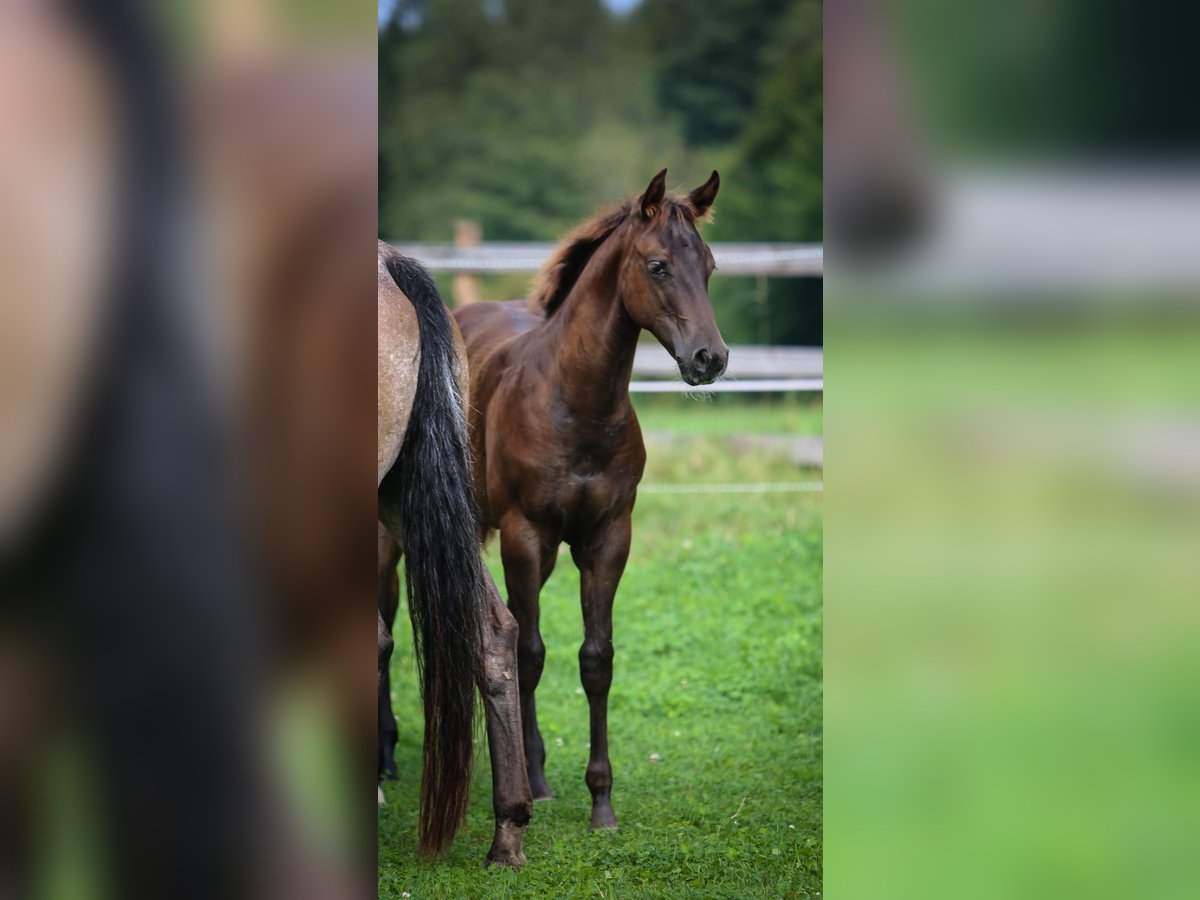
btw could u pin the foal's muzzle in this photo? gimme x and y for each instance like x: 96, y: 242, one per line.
x: 704, y: 366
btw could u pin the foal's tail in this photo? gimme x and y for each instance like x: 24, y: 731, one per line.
x: 431, y: 493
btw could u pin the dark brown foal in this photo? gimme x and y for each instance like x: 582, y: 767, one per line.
x: 557, y: 449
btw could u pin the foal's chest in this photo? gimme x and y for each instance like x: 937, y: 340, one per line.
x: 584, y: 485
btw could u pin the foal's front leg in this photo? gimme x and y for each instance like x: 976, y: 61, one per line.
x: 601, y: 560
x: 511, y: 798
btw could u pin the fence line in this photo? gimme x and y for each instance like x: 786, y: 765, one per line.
x: 745, y: 361
x: 498, y: 257
x: 754, y: 369
x: 778, y: 487
x: 753, y: 386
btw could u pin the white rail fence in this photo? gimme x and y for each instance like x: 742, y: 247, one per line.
x: 752, y: 369
x: 500, y: 257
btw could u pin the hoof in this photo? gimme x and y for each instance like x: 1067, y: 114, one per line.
x: 506, y: 846
x: 388, y: 770
x: 540, y: 789
x: 504, y: 861
x: 604, y: 820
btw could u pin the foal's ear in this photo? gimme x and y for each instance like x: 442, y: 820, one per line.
x: 702, y: 197
x: 653, y: 194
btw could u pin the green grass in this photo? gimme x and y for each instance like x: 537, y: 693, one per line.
x: 721, y: 414
x: 718, y: 626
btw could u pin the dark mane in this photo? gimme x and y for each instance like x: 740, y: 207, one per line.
x: 566, y: 264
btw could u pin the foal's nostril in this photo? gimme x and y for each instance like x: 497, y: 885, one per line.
x: 702, y: 358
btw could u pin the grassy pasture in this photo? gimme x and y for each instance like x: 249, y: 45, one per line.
x: 718, y: 675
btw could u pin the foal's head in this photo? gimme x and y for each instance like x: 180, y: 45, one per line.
x: 664, y: 277
x: 663, y: 273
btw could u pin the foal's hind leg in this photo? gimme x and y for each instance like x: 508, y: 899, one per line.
x: 527, y: 564
x: 601, y: 560
x: 511, y: 798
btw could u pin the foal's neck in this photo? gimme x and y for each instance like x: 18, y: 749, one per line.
x: 594, y: 339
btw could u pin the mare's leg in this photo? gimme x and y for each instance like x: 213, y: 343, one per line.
x: 601, y: 560
x: 389, y: 599
x: 387, y: 763
x: 511, y: 797
x: 525, y: 559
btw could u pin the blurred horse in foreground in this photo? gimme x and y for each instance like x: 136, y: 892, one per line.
x: 186, y: 499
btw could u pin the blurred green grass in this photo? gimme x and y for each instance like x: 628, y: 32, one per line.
x: 1013, y: 587
x: 718, y: 630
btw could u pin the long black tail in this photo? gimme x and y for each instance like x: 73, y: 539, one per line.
x: 429, y: 495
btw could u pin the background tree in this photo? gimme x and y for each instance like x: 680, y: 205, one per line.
x: 526, y: 116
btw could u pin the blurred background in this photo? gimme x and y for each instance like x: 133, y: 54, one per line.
x: 1012, y: 477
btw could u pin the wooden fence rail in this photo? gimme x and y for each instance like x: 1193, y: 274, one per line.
x: 752, y: 369
x: 498, y: 257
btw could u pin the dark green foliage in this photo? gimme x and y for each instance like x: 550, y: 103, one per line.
x: 777, y: 156
x: 777, y: 171
x: 710, y: 61
x: 527, y: 116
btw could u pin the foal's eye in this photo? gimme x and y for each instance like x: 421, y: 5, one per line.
x: 657, y: 268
